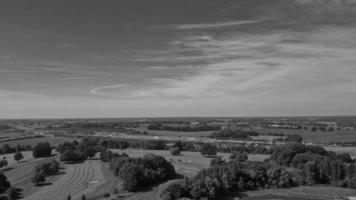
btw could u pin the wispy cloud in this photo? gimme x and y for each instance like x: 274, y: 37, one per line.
x: 97, y: 90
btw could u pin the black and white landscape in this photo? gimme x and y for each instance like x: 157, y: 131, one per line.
x: 177, y: 99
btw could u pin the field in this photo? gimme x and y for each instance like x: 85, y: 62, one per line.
x: 317, y: 137
x: 74, y: 179
x: 10, y: 158
x: 349, y: 150
x: 78, y: 179
x: 19, y: 173
x: 188, y: 163
x: 54, y: 141
x: 301, y: 193
x: 195, y: 134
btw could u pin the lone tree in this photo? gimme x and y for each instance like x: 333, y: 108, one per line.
x: 42, y: 149
x: 83, y: 197
x: 18, y: 156
x: 38, y: 177
x: 69, y: 197
x: 175, y: 151
x: 3, y: 162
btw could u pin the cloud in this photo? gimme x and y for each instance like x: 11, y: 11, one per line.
x: 97, y: 89
x: 209, y: 25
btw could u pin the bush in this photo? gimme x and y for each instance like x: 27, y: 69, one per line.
x: 4, y: 183
x: 208, y: 150
x: 171, y: 191
x: 217, y: 161
x: 240, y: 157
x: 18, y: 156
x: 38, y: 177
x: 175, y: 151
x: 71, y: 156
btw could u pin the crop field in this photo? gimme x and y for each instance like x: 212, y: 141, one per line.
x: 188, y: 163
x: 54, y: 141
x: 318, y: 136
x: 349, y: 150
x: 79, y: 179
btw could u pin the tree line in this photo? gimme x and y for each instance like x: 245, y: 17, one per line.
x: 183, y: 145
x: 183, y: 128
x: 138, y: 173
x: 307, y: 165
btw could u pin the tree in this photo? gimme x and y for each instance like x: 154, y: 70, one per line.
x: 106, y: 195
x: 293, y: 138
x: 38, y: 177
x: 175, y: 151
x: 89, y: 152
x: 71, y: 156
x: 42, y: 149
x: 217, y: 161
x: 208, y: 150
x: 18, y: 156
x: 83, y: 197
x: 172, y: 191
x: 69, y: 197
x: 4, y: 183
x: 132, y: 177
x: 3, y: 162
x: 240, y: 157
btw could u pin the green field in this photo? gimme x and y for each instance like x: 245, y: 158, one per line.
x: 317, y: 137
x: 188, y: 163
x: 194, y: 134
x: 301, y: 193
x: 349, y: 150
x: 54, y: 141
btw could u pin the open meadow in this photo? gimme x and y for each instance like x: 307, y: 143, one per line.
x: 78, y: 179
x: 300, y: 193
x: 336, y: 149
x: 318, y: 137
x: 195, y: 134
x: 54, y: 141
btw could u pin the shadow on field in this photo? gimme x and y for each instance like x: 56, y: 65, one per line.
x: 7, y: 169
x: 43, y: 184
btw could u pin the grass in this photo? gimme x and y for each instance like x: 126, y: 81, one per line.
x: 19, y: 173
x: 188, y: 163
x: 10, y: 158
x: 79, y: 179
x: 303, y: 192
x: 194, y: 134
x: 318, y: 136
x: 349, y: 150
x: 54, y: 141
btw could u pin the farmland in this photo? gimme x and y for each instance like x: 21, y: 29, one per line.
x: 188, y: 163
x: 54, y: 141
x: 318, y: 136
x: 349, y: 150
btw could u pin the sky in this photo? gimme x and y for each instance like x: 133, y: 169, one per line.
x: 167, y: 58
